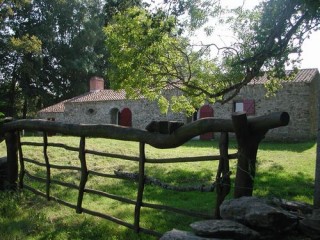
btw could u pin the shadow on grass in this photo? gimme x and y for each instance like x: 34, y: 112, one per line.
x: 276, y: 183
x: 26, y: 216
x: 264, y: 145
x: 34, y: 218
x: 292, y: 147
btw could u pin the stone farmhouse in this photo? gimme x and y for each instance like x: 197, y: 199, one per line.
x: 298, y: 97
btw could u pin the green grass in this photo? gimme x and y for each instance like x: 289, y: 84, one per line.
x: 284, y: 170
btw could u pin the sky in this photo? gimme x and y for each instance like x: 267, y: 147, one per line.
x: 311, y: 51
x: 310, y: 48
x: 310, y: 57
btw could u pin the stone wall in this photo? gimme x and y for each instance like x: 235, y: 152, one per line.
x: 99, y: 112
x: 299, y: 99
x: 143, y: 112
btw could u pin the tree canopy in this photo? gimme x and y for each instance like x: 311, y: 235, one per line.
x: 155, y: 48
x: 49, y: 49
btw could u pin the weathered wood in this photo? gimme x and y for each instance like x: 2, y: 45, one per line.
x: 177, y: 210
x: 113, y: 155
x: 46, y: 158
x: 157, y: 182
x: 158, y: 140
x: 141, y: 181
x: 12, y: 160
x: 58, y: 145
x: 52, y: 165
x: 108, y: 217
x: 223, y: 182
x: 84, y: 173
x: 165, y: 127
x: 111, y: 196
x: 190, y: 159
x: 249, y: 133
x: 2, y: 131
x: 248, y: 143
x: 21, y: 162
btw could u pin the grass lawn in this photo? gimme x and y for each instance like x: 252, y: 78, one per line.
x: 284, y: 170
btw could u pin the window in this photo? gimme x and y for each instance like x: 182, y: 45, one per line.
x: 90, y: 111
x: 245, y: 105
x: 238, y: 106
x: 115, y: 115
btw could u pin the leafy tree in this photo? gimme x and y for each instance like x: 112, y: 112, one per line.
x: 153, y: 49
x: 50, y: 49
x: 16, y: 50
x: 114, y: 7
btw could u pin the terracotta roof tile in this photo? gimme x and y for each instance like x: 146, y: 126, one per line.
x: 303, y: 75
x: 96, y: 96
x: 102, y: 95
x: 59, y: 107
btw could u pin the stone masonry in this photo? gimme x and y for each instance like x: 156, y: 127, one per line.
x: 298, y: 97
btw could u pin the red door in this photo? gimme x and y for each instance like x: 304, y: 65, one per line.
x: 206, y: 111
x: 125, y: 117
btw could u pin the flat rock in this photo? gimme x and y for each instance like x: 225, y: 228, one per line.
x: 297, y: 208
x: 223, y: 229
x: 310, y: 226
x: 257, y: 214
x: 183, y: 235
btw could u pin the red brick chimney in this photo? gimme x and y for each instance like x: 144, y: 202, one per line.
x: 96, y: 84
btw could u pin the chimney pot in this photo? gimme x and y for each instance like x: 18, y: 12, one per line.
x: 96, y: 84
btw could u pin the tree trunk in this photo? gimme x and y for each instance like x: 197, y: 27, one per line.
x: 12, y: 160
x: 25, y: 107
x: 12, y: 99
x: 316, y: 197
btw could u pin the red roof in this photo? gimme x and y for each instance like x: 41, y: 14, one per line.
x: 303, y: 76
x: 59, y: 107
x: 95, y: 96
x: 101, y: 95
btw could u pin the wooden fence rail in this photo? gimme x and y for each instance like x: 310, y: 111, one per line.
x: 249, y: 133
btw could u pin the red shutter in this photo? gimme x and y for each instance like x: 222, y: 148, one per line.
x: 248, y: 106
x: 125, y: 117
x: 206, y: 111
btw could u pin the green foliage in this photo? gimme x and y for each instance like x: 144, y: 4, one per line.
x: 8, y: 8
x: 147, y: 56
x: 151, y: 50
x: 49, y: 50
x: 26, y: 44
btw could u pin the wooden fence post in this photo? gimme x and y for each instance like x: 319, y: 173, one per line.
x: 223, y: 182
x: 248, y: 143
x: 84, y: 173
x: 12, y: 160
x: 141, y: 183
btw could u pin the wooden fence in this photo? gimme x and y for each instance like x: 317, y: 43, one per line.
x: 249, y: 133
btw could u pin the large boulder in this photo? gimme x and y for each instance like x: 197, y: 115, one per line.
x: 299, y: 209
x: 258, y: 214
x: 224, y: 229
x: 310, y: 226
x: 183, y: 235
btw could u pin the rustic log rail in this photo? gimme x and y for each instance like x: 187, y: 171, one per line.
x: 249, y: 133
